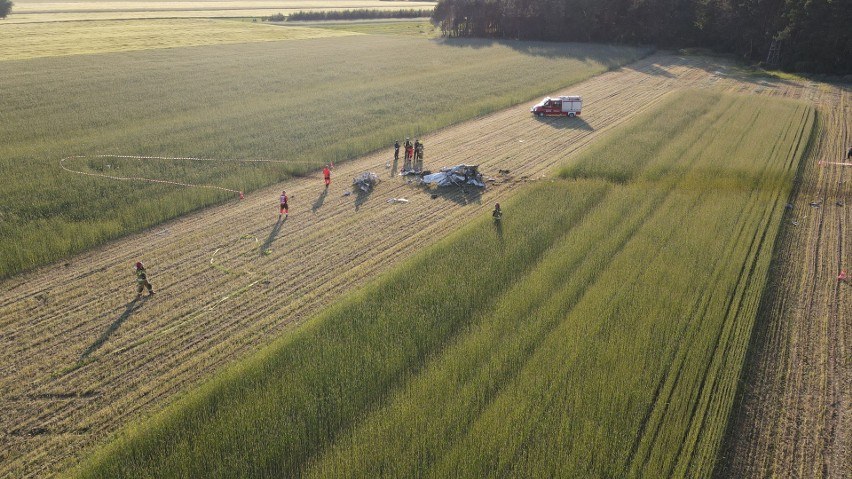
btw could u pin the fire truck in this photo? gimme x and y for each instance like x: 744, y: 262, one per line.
x: 569, y: 106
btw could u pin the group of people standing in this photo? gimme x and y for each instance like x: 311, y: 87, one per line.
x: 413, y: 154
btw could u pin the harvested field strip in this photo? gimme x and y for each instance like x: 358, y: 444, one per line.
x: 792, y: 416
x: 50, y: 317
x: 363, y: 352
x: 23, y: 41
x: 233, y: 101
x: 604, y: 338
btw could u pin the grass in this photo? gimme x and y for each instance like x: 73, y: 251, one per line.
x: 600, y: 337
x: 35, y: 11
x: 266, y: 100
x: 23, y: 41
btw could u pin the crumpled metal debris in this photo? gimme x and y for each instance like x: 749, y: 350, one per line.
x: 366, y: 181
x: 458, y: 175
x: 398, y: 200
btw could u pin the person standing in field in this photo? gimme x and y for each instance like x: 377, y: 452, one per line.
x: 284, y: 210
x: 326, y: 174
x: 142, y: 281
x: 396, y: 150
x: 497, y: 214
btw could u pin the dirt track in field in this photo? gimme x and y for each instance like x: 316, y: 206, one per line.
x: 79, y: 359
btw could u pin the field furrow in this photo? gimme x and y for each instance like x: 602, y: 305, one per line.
x: 79, y: 359
x: 794, y: 415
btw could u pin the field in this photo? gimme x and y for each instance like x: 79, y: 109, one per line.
x: 603, y: 337
x: 81, y: 360
x: 300, y: 103
x: 38, y: 11
x: 23, y: 41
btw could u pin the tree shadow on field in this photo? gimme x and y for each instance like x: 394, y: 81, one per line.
x: 128, y: 311
x: 319, y: 201
x: 272, y: 235
x: 564, y: 123
x: 605, y: 54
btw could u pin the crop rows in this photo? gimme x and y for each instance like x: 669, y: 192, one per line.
x: 144, y: 356
x: 37, y: 11
x: 578, y: 341
x: 308, y: 102
x: 23, y: 41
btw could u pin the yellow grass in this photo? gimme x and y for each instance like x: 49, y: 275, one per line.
x: 31, y: 11
x: 74, y: 38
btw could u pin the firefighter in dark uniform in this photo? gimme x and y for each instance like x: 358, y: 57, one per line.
x: 142, y: 281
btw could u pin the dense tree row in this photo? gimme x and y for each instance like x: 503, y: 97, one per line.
x: 809, y: 35
x: 5, y: 8
x: 358, y: 14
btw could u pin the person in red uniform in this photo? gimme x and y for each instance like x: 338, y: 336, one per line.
x: 326, y: 173
x: 284, y: 208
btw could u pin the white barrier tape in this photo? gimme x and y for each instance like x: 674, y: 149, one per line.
x: 166, y: 182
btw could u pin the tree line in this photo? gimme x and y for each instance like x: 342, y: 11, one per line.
x: 357, y: 14
x: 795, y: 35
x: 5, y: 8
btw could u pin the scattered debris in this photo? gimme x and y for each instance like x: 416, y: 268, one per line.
x: 458, y: 175
x: 839, y: 203
x: 434, y: 196
x: 366, y: 181
x: 842, y: 276
x: 397, y: 200
x: 503, y: 172
x: 816, y: 204
x: 789, y: 206
x: 347, y: 193
x: 795, y: 223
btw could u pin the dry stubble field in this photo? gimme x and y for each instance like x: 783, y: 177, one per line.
x: 80, y: 360
x: 33, y: 11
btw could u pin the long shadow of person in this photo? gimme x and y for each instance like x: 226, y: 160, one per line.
x: 128, y: 311
x: 320, y: 200
x: 498, y: 226
x: 394, y: 168
x: 272, y: 234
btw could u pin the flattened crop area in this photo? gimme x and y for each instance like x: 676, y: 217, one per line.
x: 80, y: 359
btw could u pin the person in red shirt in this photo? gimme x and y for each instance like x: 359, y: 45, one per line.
x: 284, y: 208
x: 326, y: 173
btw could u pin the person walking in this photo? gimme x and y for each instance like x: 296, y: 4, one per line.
x: 284, y: 210
x: 326, y: 174
x: 142, y: 281
x: 396, y: 151
x: 497, y: 214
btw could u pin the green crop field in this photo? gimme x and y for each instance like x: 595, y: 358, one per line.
x: 302, y: 102
x: 39, y: 11
x: 599, y: 331
x: 22, y: 41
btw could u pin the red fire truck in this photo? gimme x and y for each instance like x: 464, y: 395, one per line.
x: 569, y: 106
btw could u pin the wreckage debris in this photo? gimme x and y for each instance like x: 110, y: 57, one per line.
x: 397, y: 200
x: 458, y: 175
x: 366, y: 181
